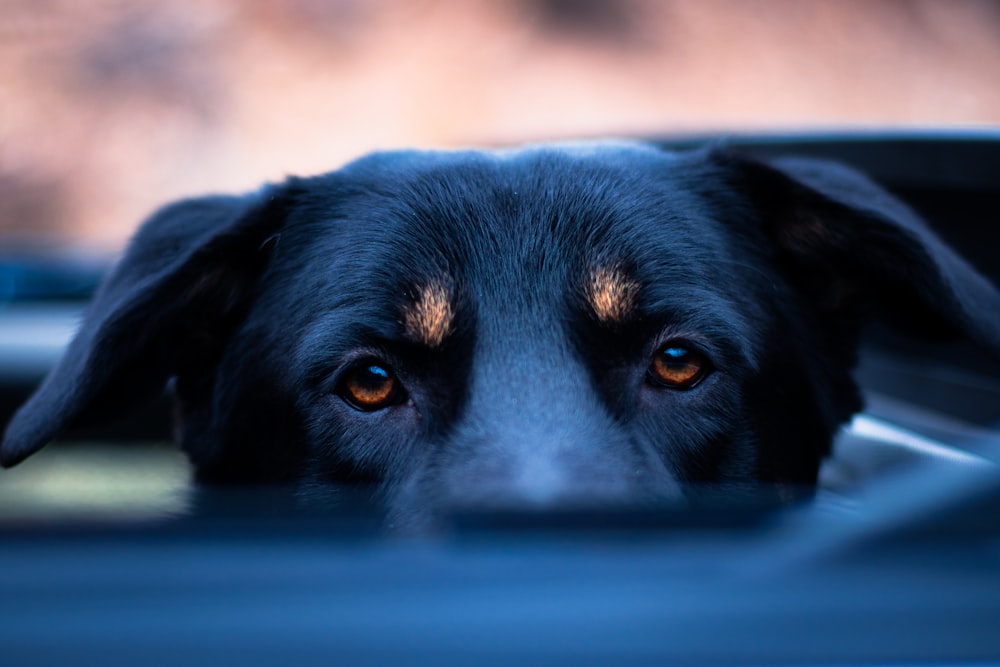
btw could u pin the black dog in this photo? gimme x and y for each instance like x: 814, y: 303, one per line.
x: 585, y: 325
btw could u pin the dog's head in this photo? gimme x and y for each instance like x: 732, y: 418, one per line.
x: 592, y: 324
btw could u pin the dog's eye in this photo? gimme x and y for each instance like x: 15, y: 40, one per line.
x: 677, y: 366
x: 370, y: 386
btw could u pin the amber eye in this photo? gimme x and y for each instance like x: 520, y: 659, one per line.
x: 370, y: 386
x: 677, y: 366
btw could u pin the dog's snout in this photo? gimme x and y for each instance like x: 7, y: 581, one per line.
x: 526, y: 472
x: 537, y: 439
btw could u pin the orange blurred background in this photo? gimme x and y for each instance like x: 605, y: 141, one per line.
x: 109, y: 108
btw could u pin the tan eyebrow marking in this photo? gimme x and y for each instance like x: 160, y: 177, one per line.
x: 611, y: 294
x: 429, y: 318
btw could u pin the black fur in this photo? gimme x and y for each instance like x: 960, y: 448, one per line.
x: 256, y: 305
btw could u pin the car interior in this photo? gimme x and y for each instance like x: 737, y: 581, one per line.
x: 107, y: 549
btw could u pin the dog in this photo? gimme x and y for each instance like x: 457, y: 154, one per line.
x: 576, y: 325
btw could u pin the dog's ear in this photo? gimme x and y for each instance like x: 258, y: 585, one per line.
x: 860, y: 252
x: 186, y: 278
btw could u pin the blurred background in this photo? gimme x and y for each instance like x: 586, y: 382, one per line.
x: 109, y: 108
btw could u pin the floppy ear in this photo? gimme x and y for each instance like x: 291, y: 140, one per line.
x: 860, y: 252
x: 185, y: 280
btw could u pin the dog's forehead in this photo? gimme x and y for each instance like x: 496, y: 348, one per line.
x: 543, y: 205
x: 424, y: 234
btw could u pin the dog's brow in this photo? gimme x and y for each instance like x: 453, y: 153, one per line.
x: 428, y: 318
x: 611, y: 294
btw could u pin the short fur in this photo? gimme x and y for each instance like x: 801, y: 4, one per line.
x: 517, y: 298
x: 612, y: 294
x: 428, y: 318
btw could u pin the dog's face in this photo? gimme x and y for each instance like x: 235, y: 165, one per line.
x: 591, y: 325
